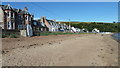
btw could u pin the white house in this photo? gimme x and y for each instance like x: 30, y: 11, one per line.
x: 1, y: 18
x: 95, y: 30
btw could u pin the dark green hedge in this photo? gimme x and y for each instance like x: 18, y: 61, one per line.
x: 103, y: 27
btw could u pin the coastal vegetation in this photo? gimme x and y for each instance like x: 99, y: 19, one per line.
x: 103, y: 27
x: 55, y: 33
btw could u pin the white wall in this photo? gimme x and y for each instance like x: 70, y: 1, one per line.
x: 1, y: 15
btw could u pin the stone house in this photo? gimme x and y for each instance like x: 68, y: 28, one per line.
x: 23, y: 18
x: 8, y: 17
x: 63, y: 27
x: 15, y: 19
x: 50, y: 24
x: 38, y: 27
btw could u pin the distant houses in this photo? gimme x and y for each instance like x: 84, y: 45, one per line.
x: 22, y: 21
x: 50, y: 24
x: 18, y: 19
x: 53, y: 26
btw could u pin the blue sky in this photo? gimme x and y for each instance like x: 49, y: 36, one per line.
x: 75, y: 11
x: 60, y: 0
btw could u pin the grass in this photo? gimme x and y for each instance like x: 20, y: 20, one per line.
x: 55, y: 33
x: 13, y: 36
x: 2, y: 35
x: 8, y: 36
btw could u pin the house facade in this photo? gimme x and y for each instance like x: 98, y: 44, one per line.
x: 63, y: 27
x: 8, y: 17
x: 15, y: 19
x: 50, y: 24
x: 1, y: 18
x: 38, y: 27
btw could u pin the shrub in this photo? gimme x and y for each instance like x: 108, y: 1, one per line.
x: 13, y: 36
x: 2, y: 35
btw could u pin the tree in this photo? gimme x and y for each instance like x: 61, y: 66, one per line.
x: 114, y: 22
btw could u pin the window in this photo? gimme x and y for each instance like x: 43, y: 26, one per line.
x: 35, y: 23
x: 26, y: 17
x: 11, y: 14
x: 8, y: 25
x: 20, y: 17
x: 29, y: 18
x: 20, y: 26
x: 8, y: 14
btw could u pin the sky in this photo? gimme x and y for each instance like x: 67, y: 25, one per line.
x: 60, y: 0
x: 75, y: 11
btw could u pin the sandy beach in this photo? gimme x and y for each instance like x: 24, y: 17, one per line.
x: 61, y: 50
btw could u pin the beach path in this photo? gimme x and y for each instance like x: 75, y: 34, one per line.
x: 72, y: 50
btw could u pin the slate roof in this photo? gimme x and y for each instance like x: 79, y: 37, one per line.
x: 23, y: 12
x: 39, y: 24
x: 8, y: 7
x: 52, y: 23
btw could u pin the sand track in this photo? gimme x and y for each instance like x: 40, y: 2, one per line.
x: 61, y: 50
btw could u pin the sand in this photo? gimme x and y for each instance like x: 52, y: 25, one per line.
x: 61, y: 50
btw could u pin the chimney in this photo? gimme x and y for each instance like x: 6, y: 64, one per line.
x: 54, y: 20
x: 25, y: 9
x: 8, y: 4
x: 43, y: 19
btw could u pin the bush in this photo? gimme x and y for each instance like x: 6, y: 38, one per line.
x: 103, y: 27
x: 13, y: 36
x: 2, y: 35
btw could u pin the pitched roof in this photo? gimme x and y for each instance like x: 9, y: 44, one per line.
x: 51, y: 22
x: 23, y: 12
x: 39, y: 24
x: 7, y: 7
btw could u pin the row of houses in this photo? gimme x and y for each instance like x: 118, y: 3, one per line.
x: 18, y: 19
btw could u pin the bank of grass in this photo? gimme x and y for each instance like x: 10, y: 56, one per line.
x: 40, y: 34
x: 59, y: 33
x: 54, y: 33
x: 8, y: 36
